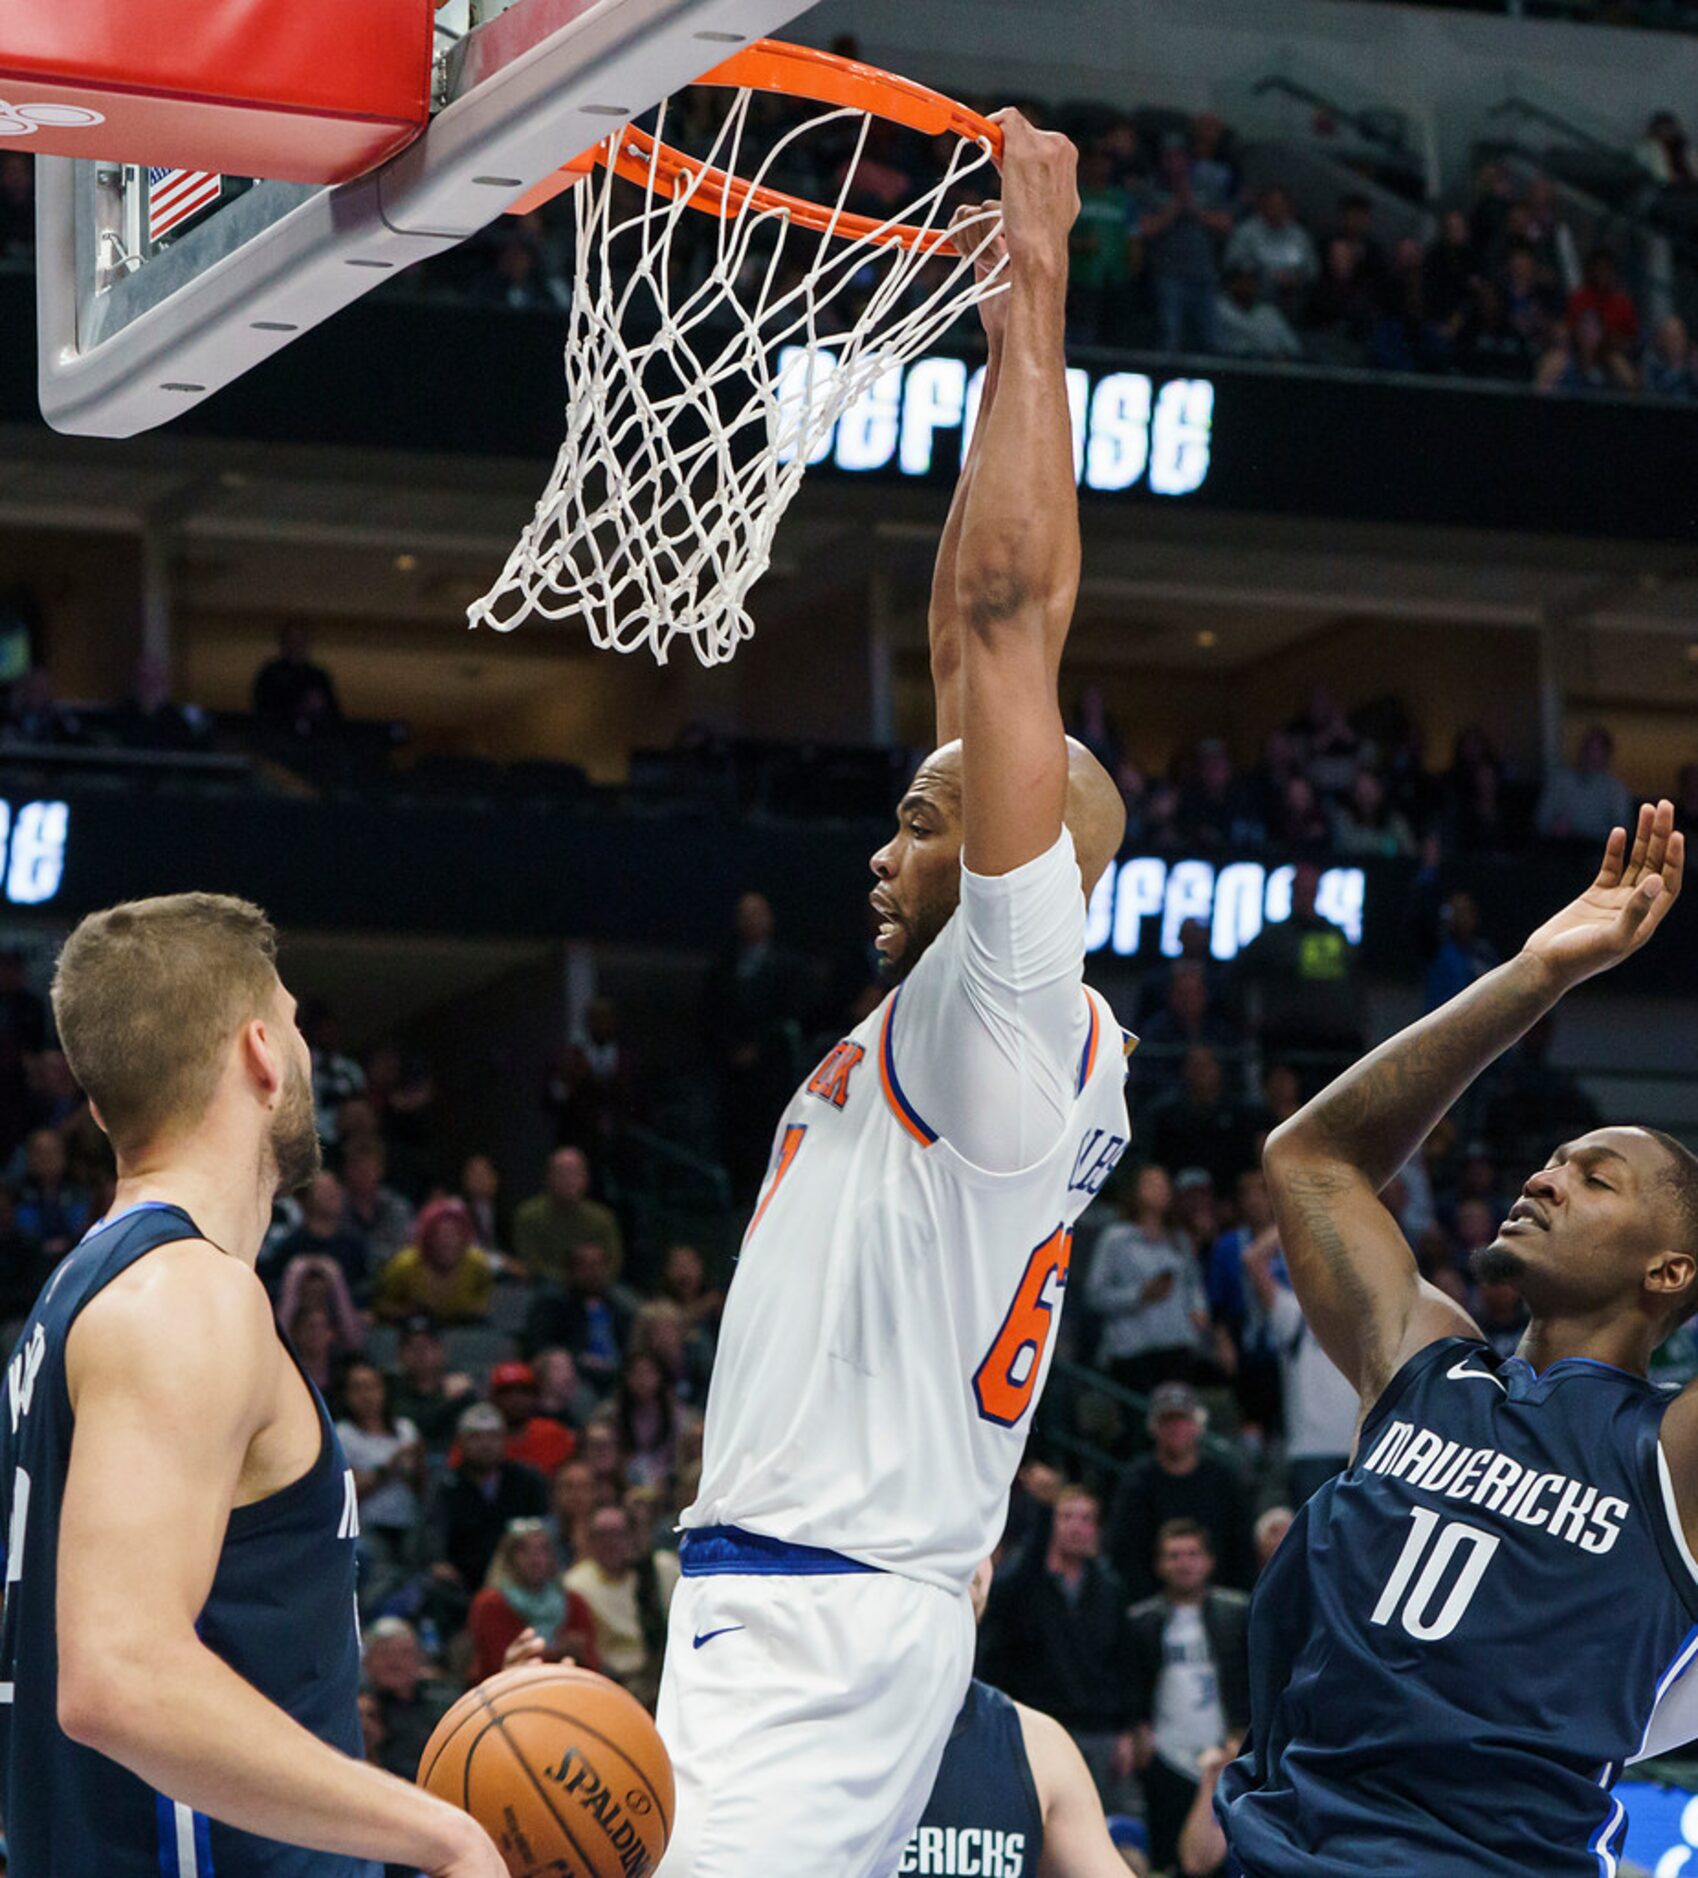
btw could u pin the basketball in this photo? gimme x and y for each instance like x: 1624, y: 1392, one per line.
x: 561, y: 1768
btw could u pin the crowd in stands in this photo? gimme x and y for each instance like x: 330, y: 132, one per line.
x: 519, y: 1365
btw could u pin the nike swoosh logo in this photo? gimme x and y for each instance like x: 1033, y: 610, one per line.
x: 1460, y: 1372
x: 708, y: 1636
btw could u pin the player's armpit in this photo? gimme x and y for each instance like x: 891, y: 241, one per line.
x: 1679, y: 1437
x: 1076, y: 1841
x: 1352, y: 1269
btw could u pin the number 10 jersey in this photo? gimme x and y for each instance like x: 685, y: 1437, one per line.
x: 1469, y: 1633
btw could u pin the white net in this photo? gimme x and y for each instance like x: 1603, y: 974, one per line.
x: 709, y: 358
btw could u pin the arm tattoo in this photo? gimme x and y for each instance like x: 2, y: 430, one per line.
x: 1315, y: 1250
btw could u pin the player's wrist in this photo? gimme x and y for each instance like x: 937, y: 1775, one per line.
x: 446, y: 1836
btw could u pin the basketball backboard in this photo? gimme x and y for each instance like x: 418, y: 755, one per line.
x: 138, y: 323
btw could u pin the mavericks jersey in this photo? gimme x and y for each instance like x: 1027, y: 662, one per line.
x: 891, y: 1323
x: 1467, y: 1635
x: 984, y: 1819
x: 280, y: 1613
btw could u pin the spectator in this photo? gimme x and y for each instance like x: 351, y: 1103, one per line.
x: 410, y: 1700
x: 1300, y: 825
x: 34, y: 715
x: 312, y: 1331
x: 402, y: 1094
x: 754, y: 1003
x: 550, y: 1226
x: 1055, y: 1637
x: 1191, y: 1678
x: 322, y: 1233
x: 1583, y: 361
x: 1282, y: 1095
x: 519, y: 276
x: 1475, y: 813
x: 1215, y: 808
x: 444, y: 1272
x: 1462, y: 956
x: 480, y: 1188
x: 573, y: 1498
x: 1583, y: 802
x: 628, y: 1593
x: 1449, y: 274
x: 372, y: 1213
x: 336, y: 1077
x: 684, y: 1282
x: 1177, y: 1480
x: 592, y: 1091
x: 1213, y: 167
x: 422, y: 1390
x: 388, y: 1461
x: 1186, y: 215
x: 1093, y: 725
x: 1665, y: 155
x: 1235, y: 1308
x: 1147, y: 1287
x: 1270, y: 1530
x: 605, y: 1459
x: 1356, y: 230
x: 1303, y: 972
x: 522, y: 1591
x: 1248, y: 326
x: 51, y: 1209
x: 1601, y: 293
x: 1187, y: 1021
x: 310, y: 1279
x: 148, y: 720
x: 646, y: 1411
x: 483, y: 1493
x: 1343, y: 300
x: 1666, y: 369
x: 1366, y: 826
x: 592, y: 1317
x: 1100, y: 270
x: 291, y: 694
x: 1529, y: 304
x: 1274, y: 245
x: 1321, y: 1407
x: 561, y: 1391
x: 539, y: 1441
x: 1199, y: 1126
x: 1202, y: 1843
x: 685, y: 1357
x: 24, y: 1268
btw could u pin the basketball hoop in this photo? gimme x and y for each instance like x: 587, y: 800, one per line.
x: 696, y: 399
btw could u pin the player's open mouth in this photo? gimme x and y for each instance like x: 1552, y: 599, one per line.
x: 1524, y: 1216
x: 890, y: 926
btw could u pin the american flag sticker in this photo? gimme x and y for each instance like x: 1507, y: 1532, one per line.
x: 174, y: 195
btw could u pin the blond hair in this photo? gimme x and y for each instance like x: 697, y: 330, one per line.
x: 147, y: 997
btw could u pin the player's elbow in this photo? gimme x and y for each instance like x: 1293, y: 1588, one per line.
x: 104, y: 1688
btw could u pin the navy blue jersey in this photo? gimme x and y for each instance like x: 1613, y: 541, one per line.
x: 280, y: 1613
x: 983, y: 1817
x: 1468, y: 1633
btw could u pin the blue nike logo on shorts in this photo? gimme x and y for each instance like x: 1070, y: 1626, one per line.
x: 708, y: 1636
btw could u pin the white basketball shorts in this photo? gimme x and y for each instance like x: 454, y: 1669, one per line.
x: 806, y: 1714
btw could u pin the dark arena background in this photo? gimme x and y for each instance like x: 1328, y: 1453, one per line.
x: 1388, y: 473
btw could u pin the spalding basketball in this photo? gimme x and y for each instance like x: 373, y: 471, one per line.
x: 563, y: 1769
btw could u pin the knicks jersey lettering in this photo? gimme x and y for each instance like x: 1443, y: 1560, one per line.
x: 830, y: 1082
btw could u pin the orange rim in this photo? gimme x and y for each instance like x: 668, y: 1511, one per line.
x: 800, y: 72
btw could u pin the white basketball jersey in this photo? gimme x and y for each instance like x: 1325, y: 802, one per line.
x: 892, y: 1319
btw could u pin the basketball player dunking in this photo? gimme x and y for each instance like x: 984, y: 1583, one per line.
x: 179, y: 1655
x: 1467, y: 1635
x: 890, y: 1325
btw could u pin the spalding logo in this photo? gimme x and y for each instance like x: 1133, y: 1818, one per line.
x: 24, y: 120
x: 579, y: 1781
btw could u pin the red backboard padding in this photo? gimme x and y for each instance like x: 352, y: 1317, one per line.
x: 313, y: 91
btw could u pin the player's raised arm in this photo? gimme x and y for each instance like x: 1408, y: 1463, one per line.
x: 1353, y: 1272
x: 1017, y: 560
x: 169, y: 1384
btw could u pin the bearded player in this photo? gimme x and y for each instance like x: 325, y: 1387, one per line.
x: 179, y: 1655
x: 1467, y: 1635
x: 891, y: 1322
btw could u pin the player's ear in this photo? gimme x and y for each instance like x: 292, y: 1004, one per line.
x: 1672, y: 1272
x: 257, y: 1045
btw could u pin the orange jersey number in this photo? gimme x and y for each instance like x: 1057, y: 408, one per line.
x: 1008, y: 1377
x: 786, y: 1156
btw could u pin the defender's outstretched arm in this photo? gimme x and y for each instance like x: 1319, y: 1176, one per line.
x: 1353, y: 1271
x: 1017, y: 559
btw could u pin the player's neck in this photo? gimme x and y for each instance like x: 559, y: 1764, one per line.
x: 232, y: 1215
x: 1622, y: 1343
